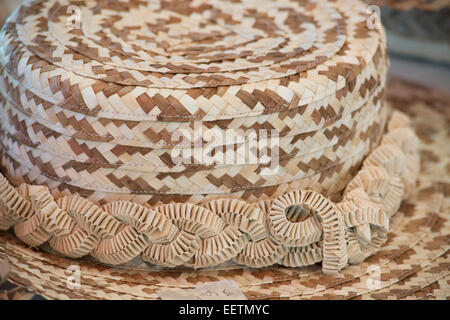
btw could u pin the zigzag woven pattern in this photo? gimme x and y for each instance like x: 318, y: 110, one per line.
x: 298, y: 228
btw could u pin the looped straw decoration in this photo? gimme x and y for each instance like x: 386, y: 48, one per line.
x: 220, y: 248
x: 362, y: 219
x: 76, y: 244
x: 261, y: 253
x: 404, y: 138
x: 192, y: 218
x: 398, y: 120
x: 122, y: 247
x: 298, y: 228
x: 13, y: 206
x: 248, y: 218
x: 396, y: 163
x: 299, y: 233
x: 383, y: 189
x: 175, y: 253
x: 302, y: 256
x: 358, y: 210
x: 155, y: 225
x: 90, y: 216
x: 308, y: 231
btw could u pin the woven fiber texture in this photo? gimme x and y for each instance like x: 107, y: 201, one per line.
x: 412, y: 264
x: 93, y: 95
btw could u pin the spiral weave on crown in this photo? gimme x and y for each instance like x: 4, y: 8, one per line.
x: 296, y: 229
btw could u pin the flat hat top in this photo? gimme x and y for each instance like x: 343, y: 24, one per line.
x: 183, y: 44
x: 187, y: 60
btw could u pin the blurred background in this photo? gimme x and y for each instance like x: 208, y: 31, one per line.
x: 418, y: 35
x: 6, y: 7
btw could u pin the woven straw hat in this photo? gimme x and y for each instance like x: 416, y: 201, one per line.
x: 89, y: 114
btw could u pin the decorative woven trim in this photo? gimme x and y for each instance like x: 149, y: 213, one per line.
x: 262, y: 253
x: 302, y: 256
x: 295, y: 229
